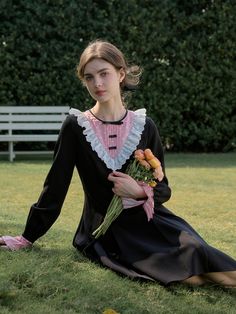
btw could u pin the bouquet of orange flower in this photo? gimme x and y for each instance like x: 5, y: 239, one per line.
x: 146, y: 168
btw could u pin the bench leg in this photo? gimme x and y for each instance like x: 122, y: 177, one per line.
x: 11, y: 151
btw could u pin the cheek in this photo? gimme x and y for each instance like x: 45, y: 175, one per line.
x: 113, y: 81
x: 88, y: 85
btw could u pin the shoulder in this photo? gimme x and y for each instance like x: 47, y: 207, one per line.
x: 151, y: 126
x: 75, y: 117
x: 150, y: 122
x: 142, y: 113
x: 71, y: 122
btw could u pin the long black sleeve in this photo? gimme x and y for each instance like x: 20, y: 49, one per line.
x: 44, y: 213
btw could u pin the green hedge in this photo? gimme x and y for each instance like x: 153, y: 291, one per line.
x: 186, y: 48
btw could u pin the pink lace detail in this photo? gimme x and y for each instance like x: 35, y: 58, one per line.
x: 148, y: 204
x: 106, y: 132
x: 125, y: 143
x: 16, y: 243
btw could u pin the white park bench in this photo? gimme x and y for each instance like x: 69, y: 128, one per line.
x: 44, y: 122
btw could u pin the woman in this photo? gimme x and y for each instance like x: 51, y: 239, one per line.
x: 100, y: 142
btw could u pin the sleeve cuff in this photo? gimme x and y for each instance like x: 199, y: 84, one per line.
x: 16, y: 243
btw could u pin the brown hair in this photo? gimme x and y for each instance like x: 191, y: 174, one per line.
x: 104, y: 50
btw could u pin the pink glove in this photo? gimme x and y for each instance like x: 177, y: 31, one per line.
x: 15, y: 243
x: 148, y: 204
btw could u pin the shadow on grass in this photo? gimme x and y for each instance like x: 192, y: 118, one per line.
x: 176, y: 289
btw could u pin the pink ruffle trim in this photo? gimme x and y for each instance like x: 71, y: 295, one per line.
x: 16, y: 243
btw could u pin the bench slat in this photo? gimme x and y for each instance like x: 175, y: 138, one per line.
x: 29, y: 138
x: 34, y: 109
x: 30, y: 126
x: 28, y: 118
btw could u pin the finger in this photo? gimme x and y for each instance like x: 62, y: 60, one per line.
x: 115, y: 191
x: 115, y: 178
x: 112, y: 176
x: 120, y: 174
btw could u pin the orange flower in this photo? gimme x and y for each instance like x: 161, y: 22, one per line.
x: 148, y: 154
x: 146, y: 168
x: 152, y: 183
x: 139, y: 154
x: 154, y: 162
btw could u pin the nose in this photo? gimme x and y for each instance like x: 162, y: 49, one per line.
x: 97, y: 82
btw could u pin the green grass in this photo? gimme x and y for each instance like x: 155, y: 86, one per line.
x: 54, y: 278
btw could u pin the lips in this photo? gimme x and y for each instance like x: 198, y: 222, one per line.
x: 100, y: 92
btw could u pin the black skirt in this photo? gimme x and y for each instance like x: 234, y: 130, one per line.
x: 166, y: 249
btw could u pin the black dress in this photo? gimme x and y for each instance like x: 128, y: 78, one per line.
x: 166, y: 249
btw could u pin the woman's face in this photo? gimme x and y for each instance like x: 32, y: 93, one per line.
x: 103, y: 80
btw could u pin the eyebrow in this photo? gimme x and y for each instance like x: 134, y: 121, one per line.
x: 101, y: 70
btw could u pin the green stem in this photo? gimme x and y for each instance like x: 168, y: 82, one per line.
x: 136, y: 171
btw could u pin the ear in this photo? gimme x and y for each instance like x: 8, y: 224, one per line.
x: 122, y: 74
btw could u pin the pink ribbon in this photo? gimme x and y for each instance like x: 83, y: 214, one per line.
x: 148, y: 204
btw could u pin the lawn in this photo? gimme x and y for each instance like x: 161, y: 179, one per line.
x: 54, y: 278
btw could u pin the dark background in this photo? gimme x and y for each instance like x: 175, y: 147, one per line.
x: 185, y: 47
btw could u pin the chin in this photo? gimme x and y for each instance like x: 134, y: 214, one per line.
x: 102, y: 100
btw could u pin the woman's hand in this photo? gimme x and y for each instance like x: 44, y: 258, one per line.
x: 126, y: 186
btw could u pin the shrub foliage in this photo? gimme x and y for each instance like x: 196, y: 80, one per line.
x: 186, y: 49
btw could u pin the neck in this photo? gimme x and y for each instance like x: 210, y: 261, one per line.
x: 109, y: 112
